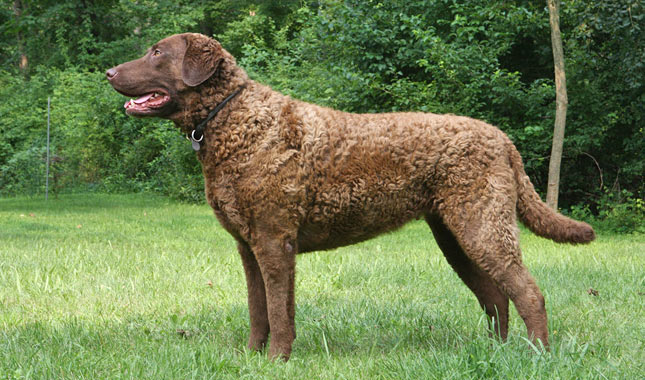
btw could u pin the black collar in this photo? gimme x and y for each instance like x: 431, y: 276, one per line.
x: 197, y: 135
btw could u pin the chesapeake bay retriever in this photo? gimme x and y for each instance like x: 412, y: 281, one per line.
x: 286, y: 177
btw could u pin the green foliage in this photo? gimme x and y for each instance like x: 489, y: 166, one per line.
x: 175, y: 171
x: 606, y: 79
x: 97, y: 145
x: 489, y: 60
x: 618, y: 212
x: 23, y: 172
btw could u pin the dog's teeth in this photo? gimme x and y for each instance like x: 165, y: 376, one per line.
x: 131, y: 102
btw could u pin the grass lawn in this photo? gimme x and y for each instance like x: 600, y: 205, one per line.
x: 140, y: 287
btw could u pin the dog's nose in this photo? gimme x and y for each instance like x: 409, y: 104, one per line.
x: 110, y: 74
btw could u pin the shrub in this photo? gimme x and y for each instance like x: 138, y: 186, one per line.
x: 618, y: 211
x: 24, y: 172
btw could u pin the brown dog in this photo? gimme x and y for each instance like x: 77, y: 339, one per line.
x: 286, y: 177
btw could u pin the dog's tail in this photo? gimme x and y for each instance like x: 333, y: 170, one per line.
x: 539, y: 217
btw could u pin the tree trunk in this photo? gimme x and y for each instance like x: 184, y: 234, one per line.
x: 561, y: 105
x: 24, y: 62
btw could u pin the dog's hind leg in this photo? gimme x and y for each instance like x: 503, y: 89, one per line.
x: 483, y: 223
x: 256, y: 297
x: 490, y: 297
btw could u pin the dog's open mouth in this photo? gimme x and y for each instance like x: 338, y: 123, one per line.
x: 146, y: 104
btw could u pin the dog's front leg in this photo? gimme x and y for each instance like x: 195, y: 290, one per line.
x: 276, y: 257
x: 257, y: 298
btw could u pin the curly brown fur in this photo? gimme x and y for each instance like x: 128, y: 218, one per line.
x: 287, y: 177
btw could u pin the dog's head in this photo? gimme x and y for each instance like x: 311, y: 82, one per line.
x: 169, y: 68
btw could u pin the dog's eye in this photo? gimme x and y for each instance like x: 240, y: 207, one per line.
x: 156, y: 53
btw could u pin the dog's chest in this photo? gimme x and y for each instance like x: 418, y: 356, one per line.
x: 221, y: 195
x: 244, y: 192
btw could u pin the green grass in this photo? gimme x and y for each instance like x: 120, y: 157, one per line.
x: 98, y: 286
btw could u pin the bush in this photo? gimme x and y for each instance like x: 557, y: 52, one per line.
x: 490, y: 60
x: 618, y: 212
x: 175, y: 171
x: 24, y: 172
x: 97, y: 144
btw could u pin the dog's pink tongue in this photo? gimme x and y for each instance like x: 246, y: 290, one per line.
x: 143, y: 98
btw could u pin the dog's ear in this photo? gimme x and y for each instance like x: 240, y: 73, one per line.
x: 202, y: 57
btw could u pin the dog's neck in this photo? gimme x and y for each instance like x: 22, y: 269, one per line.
x: 205, y: 97
x: 222, y: 138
